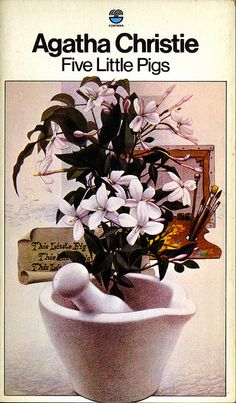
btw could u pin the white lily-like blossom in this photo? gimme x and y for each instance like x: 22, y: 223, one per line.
x: 117, y: 180
x: 145, y: 114
x: 102, y: 207
x: 183, y: 125
x: 137, y: 195
x: 96, y: 96
x: 179, y: 189
x: 56, y: 142
x: 139, y: 220
x: 74, y: 217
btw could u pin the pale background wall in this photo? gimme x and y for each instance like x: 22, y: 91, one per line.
x: 197, y: 364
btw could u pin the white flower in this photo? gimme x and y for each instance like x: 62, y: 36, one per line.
x: 141, y: 223
x: 183, y: 125
x: 58, y: 142
x: 137, y: 194
x: 103, y: 207
x: 74, y: 217
x: 116, y: 179
x: 180, y: 190
x: 96, y: 96
x: 145, y: 114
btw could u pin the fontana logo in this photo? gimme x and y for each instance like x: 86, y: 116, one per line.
x: 116, y: 17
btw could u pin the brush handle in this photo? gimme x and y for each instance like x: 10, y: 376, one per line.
x: 72, y: 282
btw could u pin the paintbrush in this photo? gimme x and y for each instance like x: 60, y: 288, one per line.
x: 208, y: 217
x: 200, y: 208
x: 204, y: 212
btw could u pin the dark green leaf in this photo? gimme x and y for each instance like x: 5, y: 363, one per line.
x: 176, y: 205
x: 171, y: 169
x: 135, y: 258
x: 109, y: 232
x: 70, y: 120
x: 149, y: 139
x: 93, y: 242
x: 122, y: 83
x: 125, y: 282
x: 49, y: 112
x: 20, y: 160
x: 116, y: 291
x: 135, y: 167
x: 102, y: 261
x: 163, y: 266
x: 161, y: 194
x: 111, y: 126
x: 153, y: 173
x: 76, y: 173
x: 153, y: 157
x: 179, y: 267
x: 191, y: 264
x: 74, y: 256
x: 122, y: 260
x: 78, y: 196
x: 106, y: 277
x: 93, y: 79
x: 65, y: 98
x: 39, y: 128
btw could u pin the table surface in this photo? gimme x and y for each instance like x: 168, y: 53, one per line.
x: 32, y: 367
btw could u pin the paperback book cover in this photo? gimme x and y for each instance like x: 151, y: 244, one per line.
x: 118, y: 118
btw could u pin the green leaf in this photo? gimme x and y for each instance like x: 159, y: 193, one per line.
x: 191, y: 264
x: 148, y: 139
x: 161, y: 194
x: 20, y: 160
x: 93, y: 242
x: 125, y: 137
x: 74, y: 256
x: 78, y: 196
x: 153, y: 173
x: 49, y: 112
x: 102, y: 261
x: 125, y: 282
x: 93, y: 79
x: 111, y: 126
x: 65, y: 98
x: 153, y: 157
x: 106, y: 277
x: 176, y: 205
x: 179, y: 267
x: 171, y: 169
x: 76, y: 173
x: 135, y: 258
x: 38, y: 128
x: 122, y: 260
x: 122, y: 83
x: 163, y: 263
x: 70, y: 120
x: 116, y: 291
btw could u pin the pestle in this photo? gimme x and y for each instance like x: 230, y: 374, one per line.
x: 72, y: 282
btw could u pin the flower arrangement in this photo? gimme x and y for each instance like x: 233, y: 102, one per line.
x: 107, y: 143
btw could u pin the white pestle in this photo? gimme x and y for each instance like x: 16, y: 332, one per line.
x: 72, y: 282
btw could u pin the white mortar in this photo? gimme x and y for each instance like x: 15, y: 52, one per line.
x: 119, y: 357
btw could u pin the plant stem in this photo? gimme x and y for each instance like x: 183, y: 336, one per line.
x: 51, y: 172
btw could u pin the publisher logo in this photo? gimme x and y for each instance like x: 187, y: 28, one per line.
x: 116, y: 16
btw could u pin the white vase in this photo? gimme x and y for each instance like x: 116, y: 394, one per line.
x: 119, y: 357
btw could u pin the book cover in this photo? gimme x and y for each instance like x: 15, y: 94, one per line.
x: 179, y: 54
